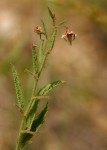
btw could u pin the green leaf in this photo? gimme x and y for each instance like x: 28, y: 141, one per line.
x: 19, y: 92
x: 44, y: 28
x: 52, y: 15
x: 40, y: 119
x: 31, y: 115
x: 52, y: 40
x: 50, y: 87
x: 35, y: 126
x: 41, y: 54
x: 62, y: 23
x: 35, y: 61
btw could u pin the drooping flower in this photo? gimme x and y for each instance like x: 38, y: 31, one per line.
x: 69, y: 36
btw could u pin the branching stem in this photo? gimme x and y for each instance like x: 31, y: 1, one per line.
x: 22, y: 126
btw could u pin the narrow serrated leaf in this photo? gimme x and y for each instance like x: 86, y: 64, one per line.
x: 35, y: 61
x: 51, y: 13
x: 41, y: 54
x: 40, y: 119
x: 31, y: 115
x: 50, y: 87
x: 19, y: 92
x: 62, y: 23
x: 52, y: 40
x: 44, y: 29
x: 35, y: 126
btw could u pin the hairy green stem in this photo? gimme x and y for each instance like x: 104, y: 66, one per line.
x: 25, y: 116
x: 28, y: 107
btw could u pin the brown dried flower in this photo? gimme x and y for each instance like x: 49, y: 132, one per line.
x: 69, y: 36
x: 38, y: 30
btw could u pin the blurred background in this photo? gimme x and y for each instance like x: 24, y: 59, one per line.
x: 77, y: 118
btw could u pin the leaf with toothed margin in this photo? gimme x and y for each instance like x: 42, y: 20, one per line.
x: 19, y: 92
x: 31, y: 115
x: 35, y: 61
x: 41, y: 54
x: 52, y: 40
x: 50, y: 87
x: 44, y: 28
x: 62, y: 23
x: 52, y: 15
